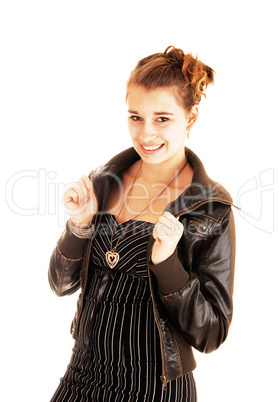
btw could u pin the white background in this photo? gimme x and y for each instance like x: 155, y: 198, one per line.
x: 63, y: 71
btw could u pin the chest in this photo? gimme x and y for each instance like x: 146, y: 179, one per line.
x: 143, y: 201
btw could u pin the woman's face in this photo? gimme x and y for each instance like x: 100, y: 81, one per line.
x: 157, y: 124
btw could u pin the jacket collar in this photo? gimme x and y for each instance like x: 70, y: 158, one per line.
x: 202, y: 189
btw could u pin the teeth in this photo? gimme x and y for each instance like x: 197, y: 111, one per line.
x: 151, y: 148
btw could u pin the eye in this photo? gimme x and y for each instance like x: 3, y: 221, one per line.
x: 163, y: 119
x: 135, y: 118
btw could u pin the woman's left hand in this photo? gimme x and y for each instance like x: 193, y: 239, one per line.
x: 167, y: 233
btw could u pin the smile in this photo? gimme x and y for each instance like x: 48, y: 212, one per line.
x: 150, y: 149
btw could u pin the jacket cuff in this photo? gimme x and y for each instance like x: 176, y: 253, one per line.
x: 170, y: 274
x: 70, y: 245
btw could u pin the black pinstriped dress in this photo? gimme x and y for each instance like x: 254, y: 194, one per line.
x: 117, y: 355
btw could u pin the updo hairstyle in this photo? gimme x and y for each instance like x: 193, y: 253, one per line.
x: 173, y: 68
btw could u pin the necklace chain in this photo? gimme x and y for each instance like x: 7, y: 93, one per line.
x: 125, y: 202
x: 111, y: 256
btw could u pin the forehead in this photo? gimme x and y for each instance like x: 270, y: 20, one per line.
x: 162, y: 98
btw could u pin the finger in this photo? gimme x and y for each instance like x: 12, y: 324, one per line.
x: 170, y: 220
x: 166, y: 221
x: 77, y: 188
x: 158, y: 235
x: 173, y: 230
x: 83, y: 186
x: 70, y: 200
x: 170, y: 216
x: 162, y: 230
x: 174, y: 219
x: 87, y: 182
x: 71, y: 195
x: 87, y: 188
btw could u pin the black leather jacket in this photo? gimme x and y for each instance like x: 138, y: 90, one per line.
x: 191, y: 290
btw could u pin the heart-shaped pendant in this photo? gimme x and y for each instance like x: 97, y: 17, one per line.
x: 112, y: 258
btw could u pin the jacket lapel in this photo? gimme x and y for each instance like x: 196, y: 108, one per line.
x: 200, y: 191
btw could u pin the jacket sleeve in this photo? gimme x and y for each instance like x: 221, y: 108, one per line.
x: 199, y: 302
x: 65, y: 263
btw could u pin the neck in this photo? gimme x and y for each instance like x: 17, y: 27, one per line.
x: 164, y: 171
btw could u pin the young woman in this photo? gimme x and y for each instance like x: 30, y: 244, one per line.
x: 151, y: 243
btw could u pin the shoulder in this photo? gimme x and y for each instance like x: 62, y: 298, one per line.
x: 202, y: 186
x: 126, y: 156
x: 117, y: 164
x: 205, y: 206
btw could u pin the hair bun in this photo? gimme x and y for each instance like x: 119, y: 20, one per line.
x: 196, y: 73
x: 173, y: 68
x: 175, y: 56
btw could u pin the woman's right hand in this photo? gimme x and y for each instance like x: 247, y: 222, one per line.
x: 80, y: 202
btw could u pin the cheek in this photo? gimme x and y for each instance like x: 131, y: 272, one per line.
x: 133, y: 131
x: 130, y: 127
x: 176, y: 135
x: 181, y: 128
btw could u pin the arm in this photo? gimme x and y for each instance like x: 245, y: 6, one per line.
x: 80, y: 203
x: 200, y: 302
x: 66, y: 260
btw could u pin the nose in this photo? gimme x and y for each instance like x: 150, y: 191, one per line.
x: 147, y: 133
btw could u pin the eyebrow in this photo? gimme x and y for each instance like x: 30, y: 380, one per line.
x: 155, y: 113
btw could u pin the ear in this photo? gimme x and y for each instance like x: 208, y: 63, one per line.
x: 192, y: 116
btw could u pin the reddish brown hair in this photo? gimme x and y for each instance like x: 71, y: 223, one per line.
x: 173, y: 68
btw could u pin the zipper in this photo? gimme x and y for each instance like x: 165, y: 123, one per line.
x: 164, y: 381
x: 163, y: 376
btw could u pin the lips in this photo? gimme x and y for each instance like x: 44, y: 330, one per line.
x: 151, y: 148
